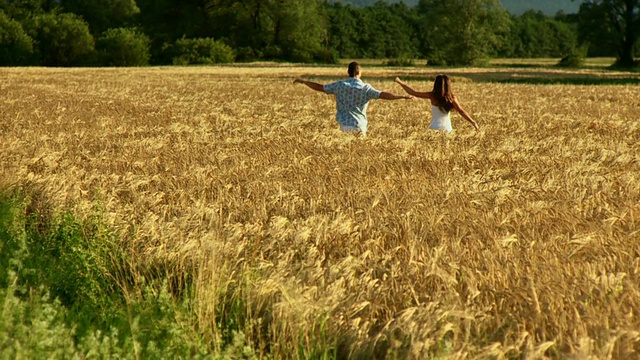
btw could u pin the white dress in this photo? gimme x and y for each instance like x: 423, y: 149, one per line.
x: 440, y: 120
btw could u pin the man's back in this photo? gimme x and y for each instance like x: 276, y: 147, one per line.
x: 352, y: 99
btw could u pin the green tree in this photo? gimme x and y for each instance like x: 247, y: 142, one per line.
x: 299, y: 29
x: 291, y: 30
x: 536, y: 35
x: 61, y: 39
x: 123, y: 47
x: 345, y: 30
x: 612, y: 24
x: 462, y: 32
x: 166, y: 21
x: 23, y: 9
x: 390, y: 31
x: 103, y: 14
x: 378, y: 31
x: 16, y: 47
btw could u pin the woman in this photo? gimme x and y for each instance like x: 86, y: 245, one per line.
x: 442, y: 101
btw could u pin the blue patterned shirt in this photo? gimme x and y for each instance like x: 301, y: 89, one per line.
x: 352, y: 98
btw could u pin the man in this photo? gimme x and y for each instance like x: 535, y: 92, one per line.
x: 352, y: 99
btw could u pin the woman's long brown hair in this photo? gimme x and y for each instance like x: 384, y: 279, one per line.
x: 444, y: 95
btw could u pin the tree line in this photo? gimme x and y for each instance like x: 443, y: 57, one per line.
x: 444, y: 32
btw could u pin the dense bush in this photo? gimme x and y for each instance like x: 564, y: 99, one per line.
x: 123, y: 47
x: 576, y: 58
x: 16, y: 47
x: 399, y: 62
x: 201, y: 51
x: 61, y: 39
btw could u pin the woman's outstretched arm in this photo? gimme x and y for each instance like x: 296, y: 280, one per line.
x: 464, y: 114
x: 410, y: 91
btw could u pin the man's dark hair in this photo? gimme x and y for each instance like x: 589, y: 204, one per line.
x: 354, y: 68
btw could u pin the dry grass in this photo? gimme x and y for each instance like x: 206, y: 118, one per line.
x: 519, y: 240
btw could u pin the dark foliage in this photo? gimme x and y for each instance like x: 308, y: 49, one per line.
x: 63, y: 32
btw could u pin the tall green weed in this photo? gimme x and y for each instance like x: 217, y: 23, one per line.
x: 63, y: 292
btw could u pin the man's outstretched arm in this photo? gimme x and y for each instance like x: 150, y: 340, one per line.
x: 313, y: 85
x: 390, y: 96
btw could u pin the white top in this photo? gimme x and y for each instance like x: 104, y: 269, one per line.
x: 440, y: 120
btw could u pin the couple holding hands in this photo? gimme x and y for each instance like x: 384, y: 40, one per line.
x: 353, y: 95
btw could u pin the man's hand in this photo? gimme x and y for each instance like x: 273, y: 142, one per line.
x: 313, y: 85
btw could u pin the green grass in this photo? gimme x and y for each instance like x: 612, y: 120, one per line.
x: 63, y: 294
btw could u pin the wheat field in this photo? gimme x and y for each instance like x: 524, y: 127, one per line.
x: 521, y: 240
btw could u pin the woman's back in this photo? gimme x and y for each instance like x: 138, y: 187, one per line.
x: 442, y: 102
x: 440, y: 120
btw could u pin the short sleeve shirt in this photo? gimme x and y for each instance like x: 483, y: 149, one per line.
x: 352, y: 99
